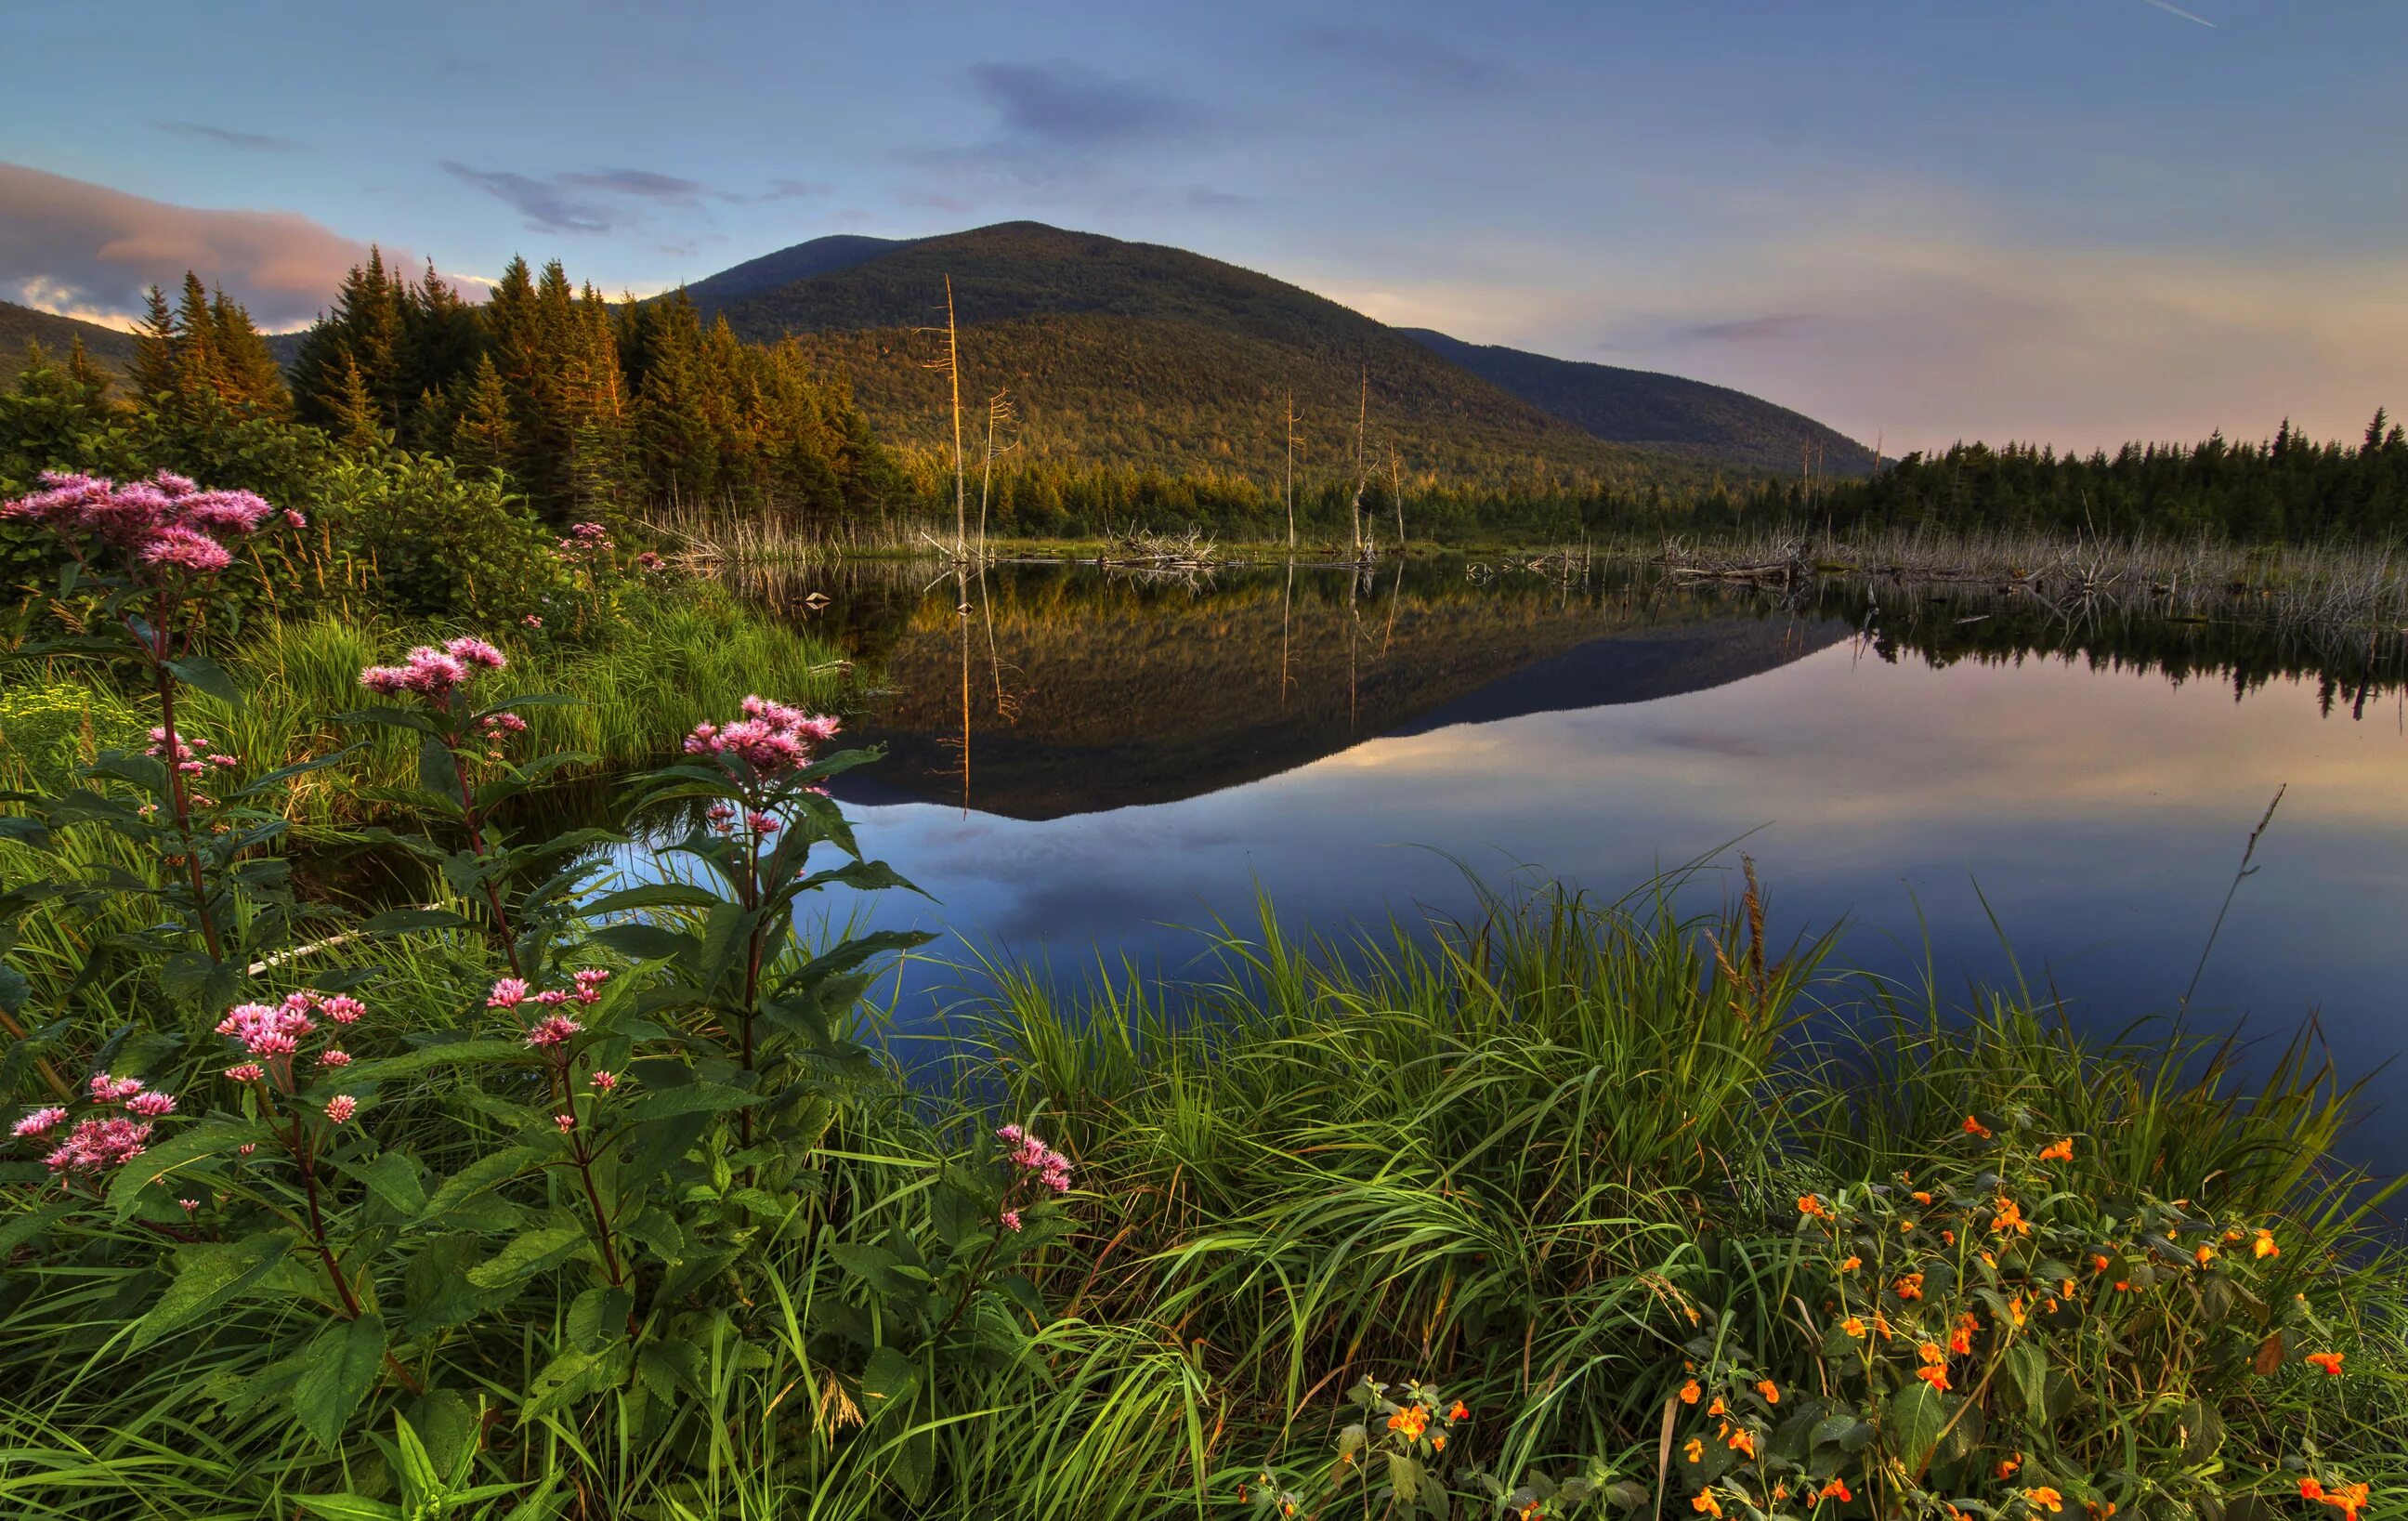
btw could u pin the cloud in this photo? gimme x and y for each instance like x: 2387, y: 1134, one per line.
x: 1746, y: 329
x: 256, y: 142
x: 88, y: 251
x: 787, y: 190
x: 546, y: 205
x: 1067, y: 105
x: 1410, y: 58
x: 643, y: 184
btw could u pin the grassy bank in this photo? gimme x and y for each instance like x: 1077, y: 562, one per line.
x: 1553, y: 1163
x: 681, y: 657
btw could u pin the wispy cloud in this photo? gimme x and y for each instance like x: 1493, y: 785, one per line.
x: 1410, y: 58
x: 608, y: 200
x: 1769, y: 327
x: 2177, y: 10
x: 546, y: 204
x: 254, y: 142
x: 1064, y: 104
x: 91, y: 252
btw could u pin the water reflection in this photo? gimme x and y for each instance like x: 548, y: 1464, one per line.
x: 1914, y: 762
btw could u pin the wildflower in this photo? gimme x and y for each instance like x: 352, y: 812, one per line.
x: 1947, y: 1237
x: 476, y: 652
x: 1853, y: 1327
x: 1695, y: 1450
x: 341, y: 1107
x: 151, y: 1105
x: 552, y: 1030
x: 1973, y: 1127
x: 589, y: 984
x: 246, y: 1072
x: 2098, y: 1262
x: 2058, y: 1150
x: 2347, y: 1499
x: 1742, y: 1441
x: 1718, y: 1408
x: 2328, y: 1361
x: 1910, y: 1287
x: 1812, y: 1207
x: 603, y: 1081
x: 106, y: 1090
x: 1936, y: 1377
x: 531, y: 621
x: 1458, y: 1411
x: 334, y: 1058
x: 648, y: 560
x: 188, y: 1205
x: 1689, y: 1391
x: 1932, y: 1353
x: 761, y: 823
x: 1010, y: 1219
x: 2016, y: 1311
x: 553, y: 998
x: 1770, y: 1391
x: 267, y: 1031
x: 508, y: 994
x: 41, y: 1122
x: 1705, y: 1503
x: 1837, y: 1489
x: 2006, y: 1467
x: 566, y: 1122
x: 2205, y: 1256
x: 2045, y: 1499
x: 770, y: 739
x: 2264, y: 1245
x: 1920, y: 1196
x: 1852, y: 1264
x: 2009, y: 1217
x: 2310, y: 1489
x: 97, y: 1144
x: 1410, y: 1421
x: 342, y: 1009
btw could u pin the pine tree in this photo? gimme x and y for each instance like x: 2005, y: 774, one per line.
x: 483, y: 437
x: 355, y: 414
x: 87, y: 377
x: 153, y: 372
x: 248, y: 375
x: 200, y: 376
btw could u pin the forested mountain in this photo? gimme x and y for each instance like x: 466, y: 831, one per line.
x: 19, y: 326
x: 819, y: 256
x: 1665, y: 413
x: 1131, y: 354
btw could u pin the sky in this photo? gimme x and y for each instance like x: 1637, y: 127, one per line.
x: 2064, y: 221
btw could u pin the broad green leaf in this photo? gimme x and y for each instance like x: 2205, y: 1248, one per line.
x: 889, y: 1382
x: 394, y: 1178
x: 657, y: 894
x: 486, y: 1172
x: 1916, y: 1413
x: 342, y: 1366
x: 413, y: 921
x: 207, y: 1277
x: 644, y: 942
x: 532, y: 1251
x: 694, y: 1097
x: 351, y: 1507
x: 442, y: 1053
x: 205, y: 675
x: 599, y: 1316
x: 209, y: 1137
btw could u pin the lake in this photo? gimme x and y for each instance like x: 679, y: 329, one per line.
x: 1086, y: 764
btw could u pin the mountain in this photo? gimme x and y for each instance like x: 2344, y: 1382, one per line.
x: 819, y: 256
x: 1663, y: 412
x: 21, y: 325
x: 1135, y: 354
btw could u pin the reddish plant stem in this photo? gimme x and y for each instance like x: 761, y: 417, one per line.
x: 476, y: 822
x: 179, y: 799
x: 582, y: 1156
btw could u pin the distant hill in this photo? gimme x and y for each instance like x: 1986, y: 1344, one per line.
x: 22, y: 326
x: 819, y: 256
x: 1137, y: 354
x: 1650, y: 410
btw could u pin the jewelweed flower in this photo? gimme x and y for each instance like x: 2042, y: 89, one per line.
x: 1837, y: 1489
x: 1458, y: 1411
x: 1973, y: 1127
x: 1410, y: 1422
x: 1770, y: 1391
x: 1695, y: 1450
x: 1910, y: 1287
x: 2264, y: 1246
x: 2328, y: 1361
x: 2058, y: 1150
x: 1742, y: 1441
x: 1852, y: 1264
x: 1853, y: 1327
x: 2045, y: 1499
x: 1690, y: 1392
x: 1705, y: 1503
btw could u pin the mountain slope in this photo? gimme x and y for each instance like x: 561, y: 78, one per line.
x: 1652, y: 410
x: 21, y: 325
x: 819, y: 256
x: 1135, y: 354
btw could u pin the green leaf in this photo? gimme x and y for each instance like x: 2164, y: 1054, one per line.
x: 669, y: 1367
x: 207, y: 1139
x: 889, y: 1382
x: 351, y: 1507
x: 872, y: 1265
x: 694, y: 1097
x: 394, y: 1178
x: 413, y: 921
x: 442, y: 1053
x: 532, y: 1251
x: 14, y: 991
x: 644, y: 942
x: 1916, y: 1414
x: 599, y: 1316
x: 207, y: 1277
x: 486, y: 1172
x: 15, y: 1230
x: 205, y: 675
x: 342, y: 1366
x: 657, y: 894
x: 25, y: 830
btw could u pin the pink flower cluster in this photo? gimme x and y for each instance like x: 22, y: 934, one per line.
x: 551, y: 1030
x: 100, y: 1142
x: 165, y: 524
x: 649, y: 562
x: 434, y: 673
x: 191, y: 757
x: 771, y: 737
x: 275, y: 1031
x: 586, y: 539
x: 1032, y: 1157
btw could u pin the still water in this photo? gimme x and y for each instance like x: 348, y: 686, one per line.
x: 1082, y: 764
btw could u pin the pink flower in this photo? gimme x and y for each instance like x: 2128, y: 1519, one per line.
x: 566, y: 1122
x: 266, y: 1031
x: 591, y: 977
x: 341, y: 1107
x: 770, y: 739
x: 178, y: 547
x: 95, y: 1145
x: 151, y: 1106
x: 551, y: 997
x: 470, y: 651
x: 246, y: 1072
x: 532, y: 621
x: 294, y: 518
x: 603, y: 1081
x: 497, y: 724
x: 113, y: 1090
x: 1010, y: 1219
x: 761, y: 823
x: 508, y: 994
x: 552, y: 1030
x: 40, y: 1123
x: 343, y: 1009
x: 336, y: 1058
x: 1011, y: 1135
x: 188, y: 1205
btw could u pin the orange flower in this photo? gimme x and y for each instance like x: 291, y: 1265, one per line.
x: 2310, y: 1489
x: 2098, y: 1263
x: 1837, y: 1489
x: 2328, y: 1361
x: 1458, y: 1411
x: 1812, y: 1207
x: 2264, y: 1246
x: 1921, y: 1198
x: 1438, y: 1443
x: 1742, y: 1441
x: 2007, y: 1466
x: 1770, y: 1391
x: 2205, y: 1256
x: 2045, y: 1499
x: 1705, y: 1504
x: 2015, y: 1311
x: 1694, y: 1449
x: 2067, y: 1290
x: 1905, y: 1226
x: 1973, y: 1127
x: 1853, y: 1325
x: 2009, y: 1217
x: 1935, y: 1376
x: 1947, y: 1237
x: 1852, y: 1264
x: 2058, y: 1150
x: 2345, y: 1499
x: 1910, y: 1286
x: 2101, y: 1509
x: 1929, y: 1352
x: 1411, y: 1421
x: 1717, y: 1408
x: 1689, y: 1392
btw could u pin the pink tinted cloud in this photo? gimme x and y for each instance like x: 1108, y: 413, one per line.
x: 91, y: 252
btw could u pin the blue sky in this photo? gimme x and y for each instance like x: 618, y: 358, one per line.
x: 2071, y: 219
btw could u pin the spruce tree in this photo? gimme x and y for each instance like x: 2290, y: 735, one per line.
x: 483, y: 437
x: 153, y: 372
